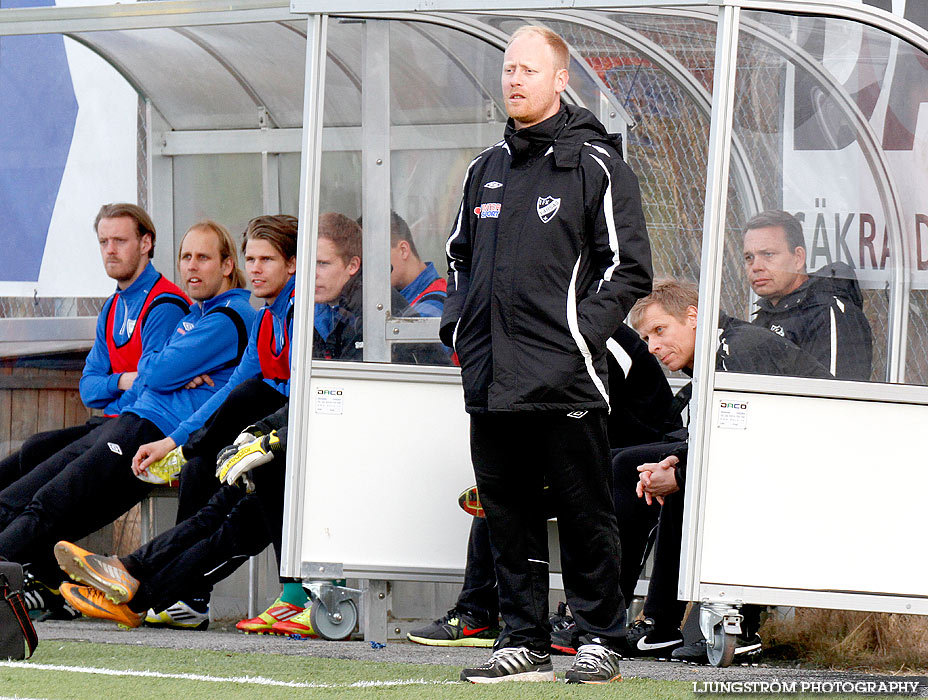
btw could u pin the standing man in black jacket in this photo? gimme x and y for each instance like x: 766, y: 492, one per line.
x: 822, y: 313
x: 548, y: 253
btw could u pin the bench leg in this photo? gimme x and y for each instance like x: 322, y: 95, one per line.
x: 374, y: 606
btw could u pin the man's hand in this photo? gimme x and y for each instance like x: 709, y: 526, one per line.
x: 657, y: 479
x: 151, y: 452
x: 126, y: 379
x: 199, y: 381
x: 240, y: 458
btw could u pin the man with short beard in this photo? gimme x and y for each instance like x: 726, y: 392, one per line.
x: 547, y: 254
x: 90, y: 483
x: 139, y: 318
x: 135, y: 321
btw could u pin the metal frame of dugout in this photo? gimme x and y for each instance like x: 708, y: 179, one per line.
x: 379, y: 511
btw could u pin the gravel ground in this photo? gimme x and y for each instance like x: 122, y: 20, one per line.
x: 228, y: 640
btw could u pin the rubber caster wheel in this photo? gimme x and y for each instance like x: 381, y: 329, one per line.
x: 336, y: 625
x: 721, y: 647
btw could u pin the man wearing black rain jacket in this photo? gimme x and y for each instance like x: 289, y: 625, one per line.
x: 822, y: 313
x: 548, y: 253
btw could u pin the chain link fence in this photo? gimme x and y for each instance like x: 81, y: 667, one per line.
x: 668, y: 149
x: 49, y: 307
x: 668, y: 145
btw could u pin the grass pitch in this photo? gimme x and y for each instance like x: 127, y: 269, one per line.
x: 86, y: 671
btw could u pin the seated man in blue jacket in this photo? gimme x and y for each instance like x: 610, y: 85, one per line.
x: 418, y: 281
x: 263, y: 379
x: 90, y: 483
x: 136, y: 320
x: 259, y: 386
x: 212, y: 542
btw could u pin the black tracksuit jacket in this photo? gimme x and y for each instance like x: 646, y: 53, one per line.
x: 825, y: 318
x: 747, y: 349
x: 548, y: 253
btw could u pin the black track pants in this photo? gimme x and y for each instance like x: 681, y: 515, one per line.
x: 39, y: 447
x: 80, y: 496
x: 514, y: 455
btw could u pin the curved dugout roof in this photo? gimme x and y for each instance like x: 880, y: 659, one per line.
x: 228, y: 75
x: 251, y: 58
x: 240, y: 69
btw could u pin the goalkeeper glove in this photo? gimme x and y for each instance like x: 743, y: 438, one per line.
x: 240, y: 458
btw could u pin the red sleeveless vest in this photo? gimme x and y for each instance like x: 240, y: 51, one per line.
x: 437, y: 285
x: 125, y: 357
x: 274, y: 365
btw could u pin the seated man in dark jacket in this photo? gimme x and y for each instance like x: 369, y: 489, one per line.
x: 666, y: 320
x: 338, y: 324
x: 822, y: 313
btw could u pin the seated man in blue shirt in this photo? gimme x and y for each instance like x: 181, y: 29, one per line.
x: 137, y: 319
x: 259, y: 386
x: 212, y: 542
x: 417, y: 281
x: 89, y: 484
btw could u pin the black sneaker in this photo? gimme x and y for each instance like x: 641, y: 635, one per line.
x: 512, y: 664
x: 563, y: 630
x: 456, y: 629
x: 695, y: 653
x: 44, y: 603
x: 639, y: 629
x: 747, y: 646
x: 658, y: 643
x: 63, y: 612
x: 595, y: 663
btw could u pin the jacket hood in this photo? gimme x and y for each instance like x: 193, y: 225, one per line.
x: 351, y: 295
x: 565, y: 132
x: 832, y: 280
x: 837, y: 279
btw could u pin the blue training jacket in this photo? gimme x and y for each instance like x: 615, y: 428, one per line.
x: 431, y: 304
x: 99, y: 385
x: 206, y: 341
x: 249, y: 367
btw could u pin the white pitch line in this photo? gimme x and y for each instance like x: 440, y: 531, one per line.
x: 253, y: 680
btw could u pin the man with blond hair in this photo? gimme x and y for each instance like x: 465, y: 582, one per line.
x: 666, y: 320
x: 536, y: 286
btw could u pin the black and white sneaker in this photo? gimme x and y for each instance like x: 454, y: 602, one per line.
x: 695, y: 653
x: 44, y: 603
x: 658, y: 643
x: 638, y: 630
x: 563, y: 631
x: 747, y: 646
x: 595, y: 663
x: 512, y: 664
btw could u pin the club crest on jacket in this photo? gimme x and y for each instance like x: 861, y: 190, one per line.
x: 547, y: 207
